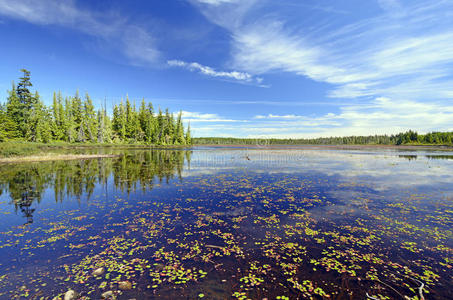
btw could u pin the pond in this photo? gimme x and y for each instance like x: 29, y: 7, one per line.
x: 230, y: 223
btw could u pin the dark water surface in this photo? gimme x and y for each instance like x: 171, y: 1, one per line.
x: 226, y: 223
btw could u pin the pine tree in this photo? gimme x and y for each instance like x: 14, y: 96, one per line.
x: 58, y: 131
x: 69, y: 123
x: 8, y: 128
x: 151, y: 128
x: 26, y: 101
x: 61, y: 112
x: 90, y: 119
x: 180, y: 139
x: 188, y: 135
x: 77, y: 116
x: 39, y: 122
x: 131, y: 121
x: 119, y: 122
x: 100, y: 129
x: 160, y: 127
x: 143, y: 117
x: 138, y: 133
x: 107, y: 127
x: 14, y: 109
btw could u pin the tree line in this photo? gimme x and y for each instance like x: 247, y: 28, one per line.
x: 72, y: 119
x: 406, y: 138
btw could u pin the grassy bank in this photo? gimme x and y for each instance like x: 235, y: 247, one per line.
x: 17, y: 148
x: 52, y: 157
x: 24, y: 149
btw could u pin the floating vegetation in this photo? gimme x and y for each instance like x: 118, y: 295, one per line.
x: 114, y: 232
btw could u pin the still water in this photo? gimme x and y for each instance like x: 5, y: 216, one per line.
x: 230, y: 223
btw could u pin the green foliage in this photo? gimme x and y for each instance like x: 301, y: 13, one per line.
x: 89, y: 119
x: 72, y: 120
x: 188, y: 136
x: 20, y: 148
x: 407, y: 138
x: 8, y: 128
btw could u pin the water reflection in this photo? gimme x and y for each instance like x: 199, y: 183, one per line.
x: 408, y: 157
x: 439, y: 156
x: 243, y: 224
x: 26, y: 183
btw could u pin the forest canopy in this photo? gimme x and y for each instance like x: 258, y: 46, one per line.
x: 72, y: 119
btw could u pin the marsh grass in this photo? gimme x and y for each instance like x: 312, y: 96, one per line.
x: 53, y: 157
x: 19, y: 148
x: 24, y: 149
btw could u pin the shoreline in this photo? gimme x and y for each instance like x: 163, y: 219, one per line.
x: 332, y: 147
x: 34, y: 157
x: 54, y: 157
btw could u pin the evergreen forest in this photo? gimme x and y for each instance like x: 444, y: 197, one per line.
x: 75, y: 119
x: 405, y: 138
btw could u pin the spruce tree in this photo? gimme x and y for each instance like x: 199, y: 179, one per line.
x: 151, y: 129
x: 26, y: 101
x: 107, y: 127
x: 61, y: 117
x: 14, y: 109
x: 160, y: 126
x: 69, y: 122
x: 143, y: 117
x: 188, y: 135
x: 90, y: 119
x: 180, y: 139
x: 8, y: 128
x: 76, y: 113
x: 39, y: 122
x: 58, y: 131
x: 119, y: 122
x: 100, y: 129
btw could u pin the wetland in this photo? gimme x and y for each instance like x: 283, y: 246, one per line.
x: 229, y: 223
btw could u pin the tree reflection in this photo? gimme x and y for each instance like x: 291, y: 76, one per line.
x: 26, y: 183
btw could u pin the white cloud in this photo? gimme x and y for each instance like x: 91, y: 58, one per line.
x: 271, y: 116
x: 217, y: 2
x: 406, y: 52
x: 194, y: 117
x: 393, y: 7
x: 205, y: 70
x: 414, y: 62
x: 135, y: 42
x: 380, y: 116
x: 262, y: 48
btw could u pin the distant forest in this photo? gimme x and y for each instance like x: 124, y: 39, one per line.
x: 73, y: 119
x: 406, y: 138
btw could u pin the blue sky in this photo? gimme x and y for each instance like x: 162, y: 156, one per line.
x: 245, y: 68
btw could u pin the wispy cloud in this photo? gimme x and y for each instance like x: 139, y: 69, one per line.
x: 380, y: 116
x: 393, y: 7
x: 324, y: 8
x: 405, y: 52
x: 208, y: 71
x: 217, y: 2
x: 271, y: 116
x: 192, y: 117
x: 135, y: 42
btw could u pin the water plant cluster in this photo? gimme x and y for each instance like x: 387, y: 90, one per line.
x: 240, y: 235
